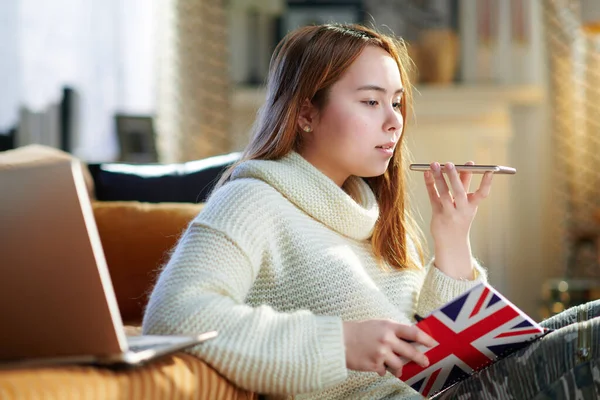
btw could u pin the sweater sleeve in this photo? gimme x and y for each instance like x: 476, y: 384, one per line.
x: 438, y: 288
x: 203, y: 288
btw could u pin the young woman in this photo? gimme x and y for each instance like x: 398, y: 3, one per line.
x: 305, y: 258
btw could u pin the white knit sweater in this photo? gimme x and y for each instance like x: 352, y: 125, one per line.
x: 276, y: 260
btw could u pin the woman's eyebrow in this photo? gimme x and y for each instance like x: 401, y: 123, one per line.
x: 378, y: 89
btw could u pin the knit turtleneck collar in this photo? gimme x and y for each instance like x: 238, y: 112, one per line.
x: 317, y: 195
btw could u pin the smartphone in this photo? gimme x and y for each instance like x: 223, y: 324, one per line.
x: 476, y: 169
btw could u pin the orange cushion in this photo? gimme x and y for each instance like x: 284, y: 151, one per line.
x: 180, y: 376
x: 136, y: 238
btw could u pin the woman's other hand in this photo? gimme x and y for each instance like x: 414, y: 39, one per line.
x: 378, y: 345
x: 453, y: 211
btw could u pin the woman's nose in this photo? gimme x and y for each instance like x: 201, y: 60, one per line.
x: 394, y: 121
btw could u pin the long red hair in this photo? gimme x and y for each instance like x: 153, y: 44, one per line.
x: 304, y: 65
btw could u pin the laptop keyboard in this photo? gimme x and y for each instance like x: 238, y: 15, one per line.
x: 142, y: 347
x: 141, y: 343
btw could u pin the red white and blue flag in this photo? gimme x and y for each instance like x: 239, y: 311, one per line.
x: 472, y: 331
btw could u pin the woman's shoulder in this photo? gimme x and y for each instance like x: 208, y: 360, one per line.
x: 242, y: 212
x: 242, y: 197
x: 243, y: 191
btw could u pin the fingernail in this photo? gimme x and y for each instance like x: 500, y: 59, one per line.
x: 436, y: 166
x: 427, y: 174
x: 450, y: 166
x: 425, y: 363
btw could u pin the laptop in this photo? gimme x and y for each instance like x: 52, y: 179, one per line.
x: 57, y: 303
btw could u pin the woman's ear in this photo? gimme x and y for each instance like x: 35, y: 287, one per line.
x: 307, y: 116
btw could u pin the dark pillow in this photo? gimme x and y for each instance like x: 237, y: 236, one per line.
x: 189, y: 182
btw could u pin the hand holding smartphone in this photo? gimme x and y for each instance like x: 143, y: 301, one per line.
x: 476, y: 169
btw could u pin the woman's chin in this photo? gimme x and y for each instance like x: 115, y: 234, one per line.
x: 373, y: 172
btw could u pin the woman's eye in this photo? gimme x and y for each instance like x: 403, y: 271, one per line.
x: 371, y: 102
x: 397, y: 105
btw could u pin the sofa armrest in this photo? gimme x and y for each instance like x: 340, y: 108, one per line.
x: 136, y: 239
x: 180, y: 376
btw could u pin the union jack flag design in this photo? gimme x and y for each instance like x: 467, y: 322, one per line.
x: 472, y: 331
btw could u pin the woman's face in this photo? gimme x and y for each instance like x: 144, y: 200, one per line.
x: 360, y: 124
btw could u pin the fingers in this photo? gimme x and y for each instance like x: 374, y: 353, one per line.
x: 484, y: 189
x: 414, y: 334
x: 440, y: 183
x: 409, y: 351
x: 403, y: 350
x: 396, y: 361
x: 440, y: 195
x: 465, y: 177
x: 383, y: 345
x: 434, y: 197
x: 394, y: 364
x: 458, y: 189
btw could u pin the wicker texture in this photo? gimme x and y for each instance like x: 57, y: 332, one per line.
x: 574, y: 73
x: 193, y: 88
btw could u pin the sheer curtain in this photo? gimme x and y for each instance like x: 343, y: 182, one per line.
x: 574, y: 61
x: 103, y: 49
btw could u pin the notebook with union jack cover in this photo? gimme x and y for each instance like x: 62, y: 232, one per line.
x: 472, y: 331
